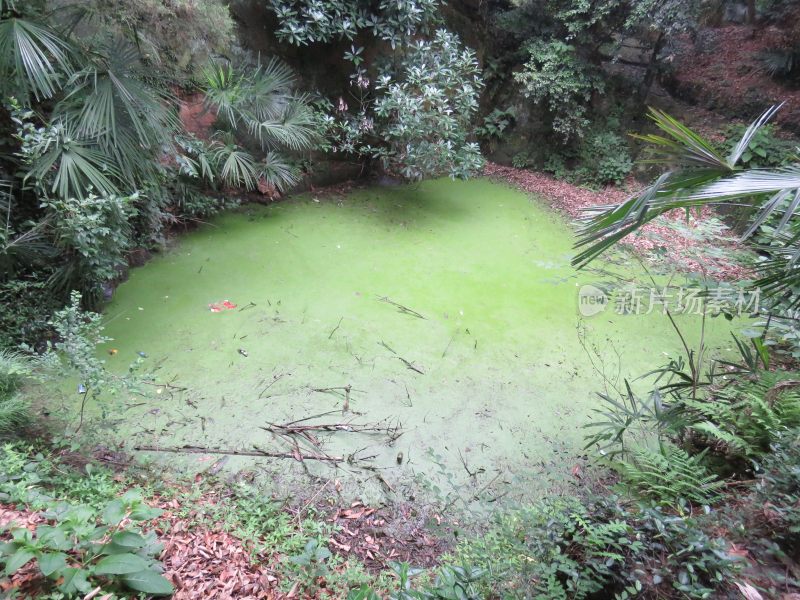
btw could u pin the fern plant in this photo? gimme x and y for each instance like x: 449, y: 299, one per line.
x: 743, y: 420
x: 669, y: 475
x: 14, y: 408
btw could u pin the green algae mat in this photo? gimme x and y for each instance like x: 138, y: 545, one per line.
x: 446, y: 312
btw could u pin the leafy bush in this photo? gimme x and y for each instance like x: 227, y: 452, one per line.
x: 556, y: 77
x: 604, y: 158
x: 567, y: 548
x: 81, y: 551
x: 495, y: 123
x: 90, y: 539
x: 74, y: 354
x: 423, y: 117
x: 521, y: 160
x: 94, y: 232
x: 601, y: 157
x: 419, y: 123
x: 304, y: 22
x: 557, y: 165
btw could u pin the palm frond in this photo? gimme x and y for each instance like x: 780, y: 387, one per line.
x: 293, y: 129
x: 682, y: 146
x: 278, y: 172
x: 262, y: 103
x: 606, y: 225
x: 748, y: 183
x: 110, y: 97
x: 269, y: 89
x: 224, y: 92
x: 700, y: 176
x: 74, y: 165
x: 33, y: 60
x: 237, y: 168
x: 197, y: 159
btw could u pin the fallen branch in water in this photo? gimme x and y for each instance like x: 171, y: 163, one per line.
x: 232, y: 452
x: 330, y: 335
x: 392, y: 431
x: 385, y: 345
x: 400, y: 307
x: 410, y: 365
x: 336, y: 391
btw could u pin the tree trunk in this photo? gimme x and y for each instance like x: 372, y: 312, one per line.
x: 751, y: 12
x: 652, y: 66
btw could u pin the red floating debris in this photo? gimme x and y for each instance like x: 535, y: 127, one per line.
x: 220, y: 306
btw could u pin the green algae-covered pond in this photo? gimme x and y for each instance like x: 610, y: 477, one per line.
x: 449, y: 308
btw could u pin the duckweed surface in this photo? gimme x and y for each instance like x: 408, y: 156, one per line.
x: 449, y: 308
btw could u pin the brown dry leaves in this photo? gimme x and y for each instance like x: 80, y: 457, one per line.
x: 729, y: 72
x: 205, y: 563
x: 380, y: 536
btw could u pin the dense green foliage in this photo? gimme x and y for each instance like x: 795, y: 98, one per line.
x: 566, y: 43
x: 305, y: 22
x: 417, y: 125
x: 555, y: 75
x: 15, y: 368
x: 412, y: 112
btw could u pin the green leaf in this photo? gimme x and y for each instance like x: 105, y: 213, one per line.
x: 120, y: 564
x: 128, y: 539
x: 18, y: 560
x: 114, y: 512
x: 131, y: 496
x: 7, y: 548
x: 145, y: 513
x: 53, y: 537
x: 149, y: 582
x: 50, y: 562
x: 75, y: 580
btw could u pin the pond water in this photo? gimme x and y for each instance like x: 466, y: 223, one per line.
x: 449, y: 308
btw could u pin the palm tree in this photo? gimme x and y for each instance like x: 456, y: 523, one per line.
x: 261, y: 105
x: 699, y: 175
